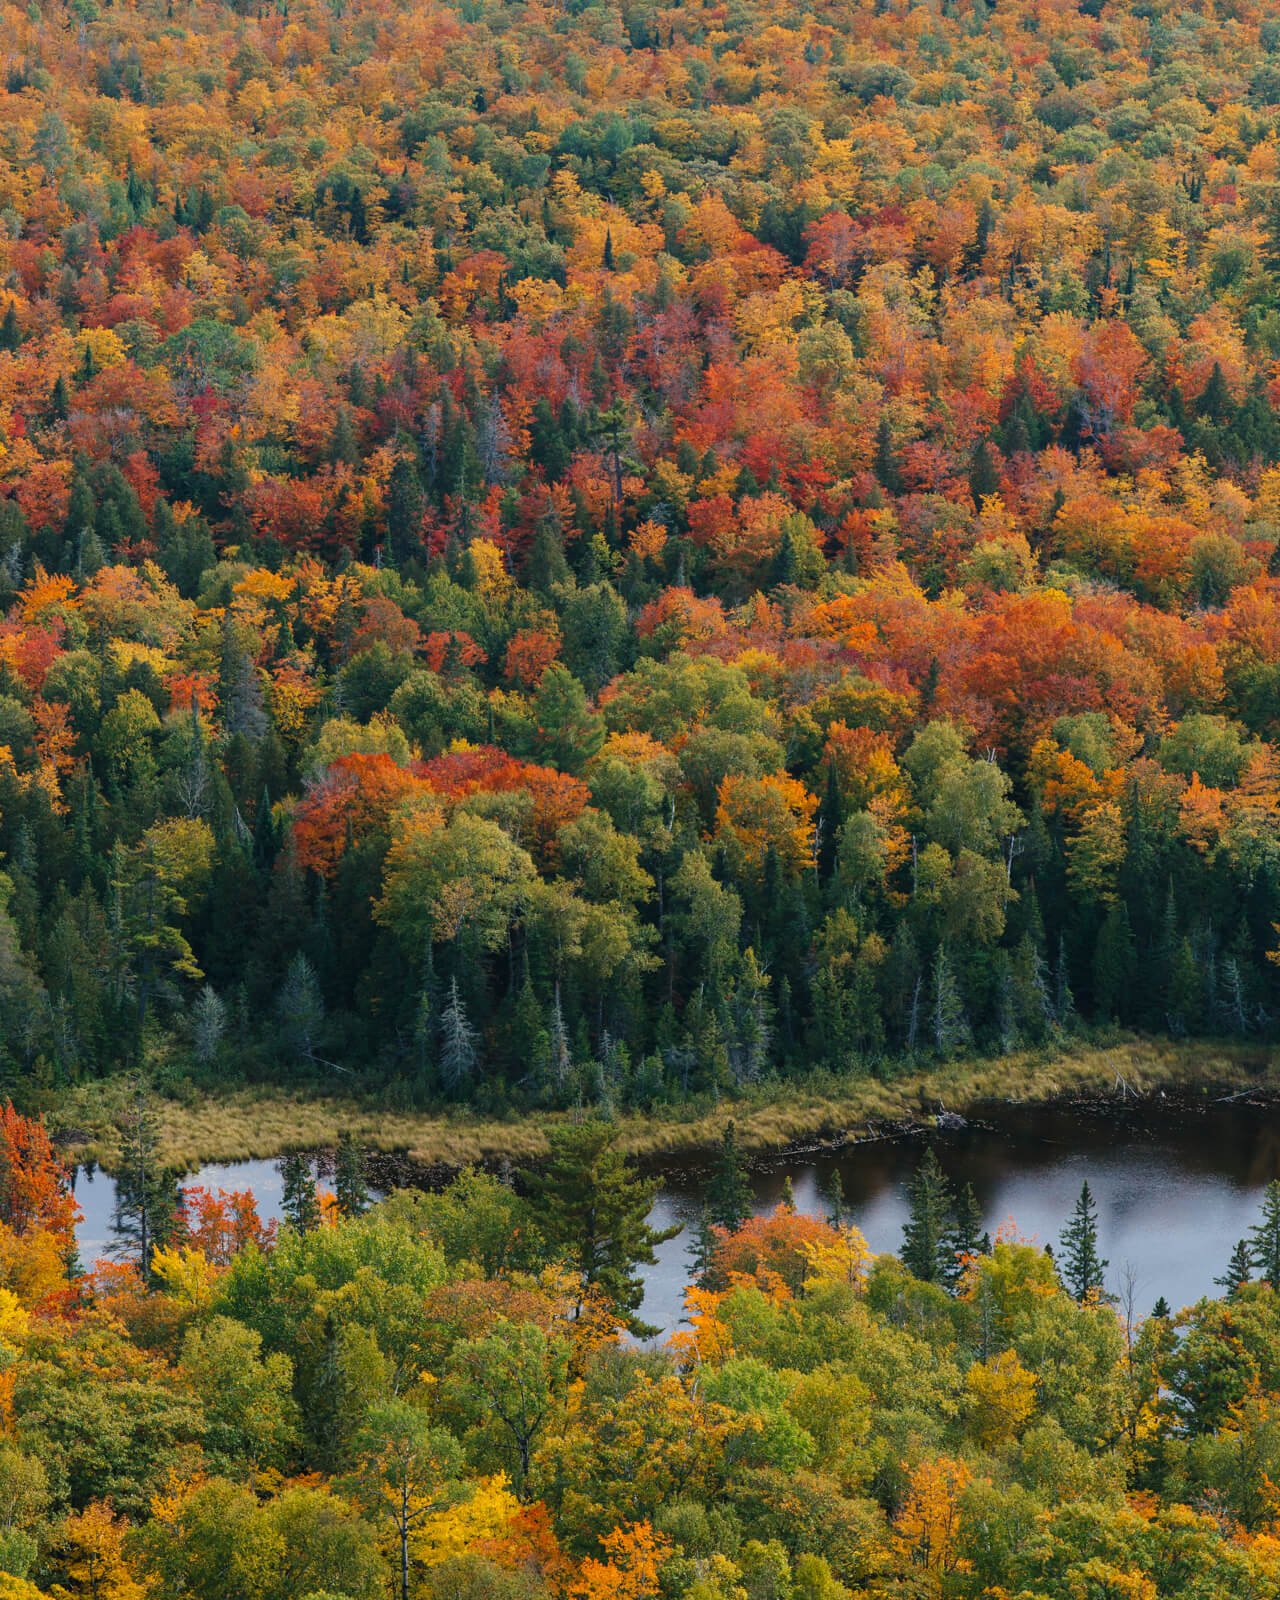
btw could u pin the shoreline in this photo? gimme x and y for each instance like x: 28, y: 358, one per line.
x: 819, y: 1113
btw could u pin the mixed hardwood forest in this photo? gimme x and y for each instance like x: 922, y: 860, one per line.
x: 429, y: 1401
x: 589, y: 555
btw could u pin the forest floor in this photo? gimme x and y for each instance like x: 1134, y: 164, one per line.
x: 197, y: 1127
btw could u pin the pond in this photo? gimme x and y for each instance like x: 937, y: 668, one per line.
x: 1175, y: 1188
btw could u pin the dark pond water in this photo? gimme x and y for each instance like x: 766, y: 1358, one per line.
x: 1175, y: 1190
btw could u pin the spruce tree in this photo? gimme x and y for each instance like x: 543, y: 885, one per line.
x: 148, y: 1205
x: 299, y: 1204
x: 728, y: 1191
x: 835, y: 1194
x: 1238, y: 1269
x: 950, y: 1026
x: 1080, y: 1265
x: 594, y: 1214
x: 984, y: 480
x: 925, y: 1236
x: 349, y: 1187
x: 457, y: 1042
x: 965, y: 1238
x: 1264, y: 1239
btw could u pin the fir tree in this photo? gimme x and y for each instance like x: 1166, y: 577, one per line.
x: 1081, y: 1266
x: 835, y: 1194
x: 148, y: 1205
x: 299, y: 1204
x: 1162, y: 1309
x: 984, y: 480
x: 594, y: 1214
x: 10, y: 333
x: 349, y: 1188
x: 1264, y: 1239
x: 457, y: 1042
x: 728, y: 1190
x: 1238, y: 1269
x: 949, y: 1024
x: 966, y: 1238
x: 925, y: 1236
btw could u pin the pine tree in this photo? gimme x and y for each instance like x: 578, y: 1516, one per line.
x: 608, y: 250
x: 835, y: 1194
x: 457, y: 1042
x: 728, y: 1191
x: 1162, y: 1309
x: 831, y: 819
x: 561, y: 1062
x: 342, y: 445
x: 1081, y: 1266
x: 594, y: 1214
x: 299, y: 1204
x: 702, y: 1246
x: 148, y: 1205
x: 208, y: 1024
x: 1113, y: 963
x: 1238, y: 1269
x: 966, y: 1238
x: 349, y: 1187
x: 984, y: 480
x: 924, y: 1238
x: 1264, y: 1239
x: 949, y: 1024
x: 10, y: 333
x: 1064, y: 1005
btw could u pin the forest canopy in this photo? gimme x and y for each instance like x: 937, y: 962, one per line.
x: 559, y: 555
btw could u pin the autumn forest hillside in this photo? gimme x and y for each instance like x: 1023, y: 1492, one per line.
x: 558, y: 555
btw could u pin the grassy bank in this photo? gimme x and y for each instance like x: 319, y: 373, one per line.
x: 264, y: 1122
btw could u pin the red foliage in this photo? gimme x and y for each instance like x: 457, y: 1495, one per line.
x: 773, y: 1245
x: 358, y: 793
x: 35, y: 1187
x: 221, y: 1222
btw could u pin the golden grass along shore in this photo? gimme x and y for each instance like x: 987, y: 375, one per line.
x: 196, y: 1129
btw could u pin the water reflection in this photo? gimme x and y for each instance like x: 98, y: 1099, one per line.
x: 1174, y: 1191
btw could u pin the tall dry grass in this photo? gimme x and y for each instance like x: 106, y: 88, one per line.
x: 197, y: 1129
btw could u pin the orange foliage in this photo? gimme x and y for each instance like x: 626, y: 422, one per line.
x: 778, y: 1244
x: 356, y: 795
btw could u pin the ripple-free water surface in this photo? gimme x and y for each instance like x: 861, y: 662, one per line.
x: 1174, y: 1191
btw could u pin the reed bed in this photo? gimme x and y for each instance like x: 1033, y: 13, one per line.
x: 199, y: 1128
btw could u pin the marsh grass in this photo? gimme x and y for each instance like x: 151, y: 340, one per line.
x: 199, y: 1127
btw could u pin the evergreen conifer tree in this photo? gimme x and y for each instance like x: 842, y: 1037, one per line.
x: 349, y: 1187
x: 1238, y: 1269
x: 925, y: 1236
x: 966, y: 1238
x: 299, y: 1204
x: 1081, y: 1266
x: 728, y: 1191
x: 594, y: 1213
x: 457, y: 1042
x: 148, y: 1205
x: 1264, y: 1239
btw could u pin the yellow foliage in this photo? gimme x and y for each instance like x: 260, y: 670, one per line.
x: 187, y: 1274
x: 31, y: 1265
x: 636, y: 1554
x: 1002, y: 1396
x: 842, y: 1260
x: 929, y: 1522
x: 14, y: 1318
x: 492, y: 580
x: 486, y: 1515
x: 90, y: 1549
